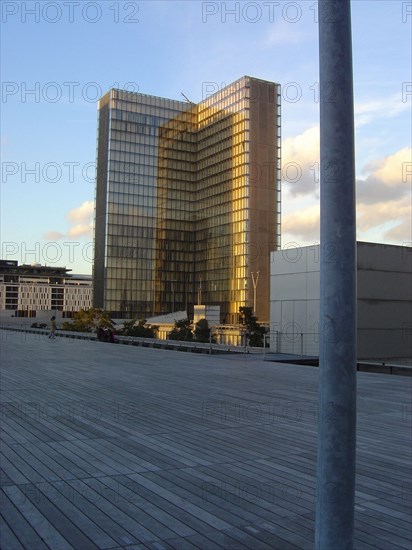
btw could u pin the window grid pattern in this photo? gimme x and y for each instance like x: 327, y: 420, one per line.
x: 178, y: 183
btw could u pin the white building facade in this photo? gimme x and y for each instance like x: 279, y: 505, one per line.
x: 29, y: 290
x: 384, y: 301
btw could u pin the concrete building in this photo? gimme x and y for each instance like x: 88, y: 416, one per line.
x: 187, y: 201
x: 384, y: 300
x: 32, y: 290
x: 210, y: 313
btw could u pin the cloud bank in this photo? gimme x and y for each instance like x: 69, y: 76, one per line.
x: 383, y: 194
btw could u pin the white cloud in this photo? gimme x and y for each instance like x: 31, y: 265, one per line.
x: 386, y: 178
x: 82, y: 214
x: 383, y: 197
x: 369, y: 111
x: 390, y: 178
x: 394, y: 168
x: 53, y: 236
x: 302, y: 224
x: 300, y: 163
x: 402, y: 232
x: 81, y: 222
x: 80, y: 230
x: 381, y: 213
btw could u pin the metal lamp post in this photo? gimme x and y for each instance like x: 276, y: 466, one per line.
x: 337, y: 354
x: 255, y: 283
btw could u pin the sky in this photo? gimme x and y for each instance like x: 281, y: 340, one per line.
x: 59, y: 57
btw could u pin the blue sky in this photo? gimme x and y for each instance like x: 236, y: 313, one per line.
x: 57, y: 57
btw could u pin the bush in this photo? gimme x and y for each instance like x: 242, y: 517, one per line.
x: 88, y: 321
x: 139, y: 329
x: 202, y: 331
x: 182, y: 331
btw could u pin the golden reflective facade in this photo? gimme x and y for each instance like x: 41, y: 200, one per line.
x: 187, y: 201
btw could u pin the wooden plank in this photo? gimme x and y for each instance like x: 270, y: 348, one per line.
x: 75, y: 515
x: 201, y: 542
x: 126, y: 454
x: 388, y: 523
x: 12, y: 471
x: 33, y: 469
x: 374, y: 532
x: 140, y: 513
x: 246, y: 538
x: 179, y: 487
x: 8, y: 539
x: 198, y: 512
x: 69, y: 451
x: 277, y: 537
x: 86, y: 498
x: 172, y: 522
x: 176, y: 514
x: 56, y: 517
x: 183, y: 544
x: 223, y: 539
x: 29, y: 525
x: 134, y: 532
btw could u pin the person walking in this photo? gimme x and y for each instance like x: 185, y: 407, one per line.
x: 53, y: 327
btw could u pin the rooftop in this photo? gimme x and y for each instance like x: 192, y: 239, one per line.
x: 113, y: 447
x: 12, y: 267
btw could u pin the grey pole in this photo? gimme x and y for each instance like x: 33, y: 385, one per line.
x: 337, y: 373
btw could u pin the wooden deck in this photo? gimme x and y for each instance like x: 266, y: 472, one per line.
x: 113, y: 447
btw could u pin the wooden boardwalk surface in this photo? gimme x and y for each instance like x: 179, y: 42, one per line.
x: 111, y: 447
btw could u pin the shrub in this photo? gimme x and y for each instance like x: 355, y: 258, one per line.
x: 88, y: 321
x: 182, y: 331
x: 138, y: 328
x: 202, y: 331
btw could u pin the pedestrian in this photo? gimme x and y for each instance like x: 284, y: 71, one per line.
x: 53, y: 327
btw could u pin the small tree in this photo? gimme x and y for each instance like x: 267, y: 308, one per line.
x: 202, y: 331
x: 138, y: 328
x: 182, y: 331
x: 254, y: 330
x: 88, y: 321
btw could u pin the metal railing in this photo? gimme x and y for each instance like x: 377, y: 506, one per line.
x: 293, y: 343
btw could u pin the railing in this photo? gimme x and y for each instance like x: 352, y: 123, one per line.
x: 199, y: 347
x: 293, y: 343
x: 232, y: 335
x: 398, y: 366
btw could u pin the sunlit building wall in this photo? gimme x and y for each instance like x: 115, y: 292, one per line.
x: 187, y: 201
x: 238, y: 181
x: 176, y: 214
x: 126, y: 200
x: 30, y: 290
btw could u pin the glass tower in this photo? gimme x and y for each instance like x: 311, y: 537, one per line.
x: 187, y: 201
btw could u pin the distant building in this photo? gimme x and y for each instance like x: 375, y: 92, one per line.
x: 384, y: 300
x: 28, y: 290
x: 187, y: 201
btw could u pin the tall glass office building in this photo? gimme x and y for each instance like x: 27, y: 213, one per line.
x: 187, y: 201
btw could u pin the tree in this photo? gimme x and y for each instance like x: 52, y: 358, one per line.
x: 88, y: 321
x: 138, y: 328
x: 254, y: 331
x: 202, y: 331
x: 182, y: 331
